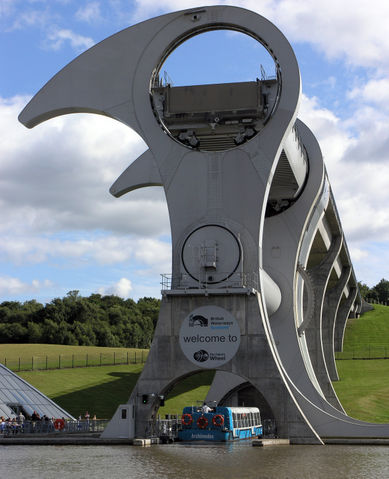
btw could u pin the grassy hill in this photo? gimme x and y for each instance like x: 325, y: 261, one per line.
x: 368, y: 336
x: 371, y: 328
x: 363, y: 388
x: 98, y: 390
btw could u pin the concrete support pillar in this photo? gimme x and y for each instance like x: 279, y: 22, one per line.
x: 313, y: 332
x: 341, y: 319
x: 330, y: 309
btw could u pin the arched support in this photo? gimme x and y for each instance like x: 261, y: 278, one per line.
x: 226, y: 390
x: 330, y: 309
x: 166, y: 363
x: 320, y: 275
x: 341, y: 319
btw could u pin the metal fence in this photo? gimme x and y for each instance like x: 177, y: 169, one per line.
x: 367, y: 352
x: 63, y: 361
x: 48, y: 427
x: 185, y: 281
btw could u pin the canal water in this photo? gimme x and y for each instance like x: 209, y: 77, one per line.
x: 179, y: 461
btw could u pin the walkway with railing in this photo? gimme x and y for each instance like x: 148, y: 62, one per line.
x: 13, y: 429
x: 186, y: 282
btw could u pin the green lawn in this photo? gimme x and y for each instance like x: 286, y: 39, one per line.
x: 100, y: 390
x: 96, y: 389
x: 20, y: 357
x: 371, y: 328
x: 188, y: 392
x: 363, y: 389
x: 367, y: 336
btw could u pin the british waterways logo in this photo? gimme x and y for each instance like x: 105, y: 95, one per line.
x: 198, y: 320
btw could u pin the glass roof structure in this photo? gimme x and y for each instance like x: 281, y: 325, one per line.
x: 17, y: 395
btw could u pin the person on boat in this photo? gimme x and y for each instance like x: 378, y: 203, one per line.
x: 205, y: 408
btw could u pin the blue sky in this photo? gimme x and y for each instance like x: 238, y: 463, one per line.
x: 62, y: 230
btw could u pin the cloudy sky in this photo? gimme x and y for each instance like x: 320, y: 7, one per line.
x: 60, y: 228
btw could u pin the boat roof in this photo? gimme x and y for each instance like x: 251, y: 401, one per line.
x: 243, y: 410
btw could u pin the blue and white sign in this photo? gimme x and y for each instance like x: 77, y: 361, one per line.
x: 209, y: 336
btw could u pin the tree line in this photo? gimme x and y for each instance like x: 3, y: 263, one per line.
x: 100, y: 320
x: 85, y: 321
x: 378, y: 293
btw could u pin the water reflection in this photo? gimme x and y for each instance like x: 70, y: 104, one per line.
x: 239, y: 460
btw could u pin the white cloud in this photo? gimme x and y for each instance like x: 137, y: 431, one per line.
x: 356, y: 157
x: 354, y: 31
x: 57, y: 176
x: 58, y: 36
x: 334, y: 139
x: 349, y: 29
x: 55, y: 204
x: 375, y: 91
x: 109, y: 250
x: 371, y: 260
x: 357, y: 253
x: 14, y: 18
x: 89, y: 12
x: 14, y: 286
x: 122, y: 288
x: 353, y: 154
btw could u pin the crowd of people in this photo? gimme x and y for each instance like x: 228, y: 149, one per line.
x: 43, y: 424
x: 19, y: 423
x: 11, y: 425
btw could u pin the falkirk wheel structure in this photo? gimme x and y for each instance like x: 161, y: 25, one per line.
x: 262, y: 283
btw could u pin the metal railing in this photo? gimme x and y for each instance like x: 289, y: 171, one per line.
x: 165, y: 429
x: 64, y: 361
x: 228, y: 280
x: 8, y: 429
x: 367, y: 352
